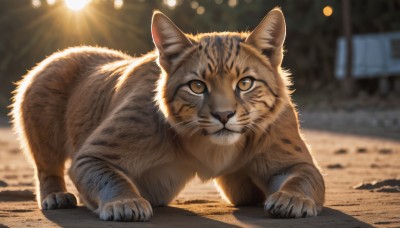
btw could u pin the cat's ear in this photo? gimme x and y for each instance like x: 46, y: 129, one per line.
x: 168, y: 38
x: 269, y: 35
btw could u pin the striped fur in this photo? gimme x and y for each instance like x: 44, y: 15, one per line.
x: 137, y: 132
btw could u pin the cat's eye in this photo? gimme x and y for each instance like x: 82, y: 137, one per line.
x: 198, y: 87
x: 245, y: 83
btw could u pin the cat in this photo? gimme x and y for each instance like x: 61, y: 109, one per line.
x: 138, y: 129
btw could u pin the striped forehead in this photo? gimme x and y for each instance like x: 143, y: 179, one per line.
x: 219, y: 53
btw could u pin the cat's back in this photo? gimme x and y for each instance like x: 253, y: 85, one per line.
x: 58, y: 75
x: 67, y: 94
x: 108, y: 90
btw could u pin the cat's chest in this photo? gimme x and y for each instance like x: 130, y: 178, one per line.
x: 212, y: 161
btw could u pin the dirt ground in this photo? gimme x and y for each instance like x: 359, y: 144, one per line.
x: 359, y: 154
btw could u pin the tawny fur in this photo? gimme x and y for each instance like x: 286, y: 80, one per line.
x: 136, y: 134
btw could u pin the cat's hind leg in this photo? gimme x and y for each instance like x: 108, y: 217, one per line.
x: 38, y: 114
x: 53, y: 193
x: 49, y: 172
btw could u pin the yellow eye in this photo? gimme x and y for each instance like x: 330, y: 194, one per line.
x: 245, y: 83
x: 197, y: 86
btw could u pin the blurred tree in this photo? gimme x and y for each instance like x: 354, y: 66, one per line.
x: 348, y: 82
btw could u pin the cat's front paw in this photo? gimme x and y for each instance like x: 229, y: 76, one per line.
x: 286, y: 205
x: 59, y: 200
x: 126, y: 210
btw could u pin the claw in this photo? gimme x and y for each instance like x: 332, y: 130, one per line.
x: 278, y: 207
x: 290, y: 212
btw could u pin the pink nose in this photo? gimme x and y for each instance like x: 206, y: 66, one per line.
x: 223, y: 117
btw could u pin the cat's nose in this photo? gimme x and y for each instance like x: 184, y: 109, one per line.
x: 223, y: 116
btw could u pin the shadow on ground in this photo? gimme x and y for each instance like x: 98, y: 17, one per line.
x: 177, y: 217
x: 163, y: 217
x: 255, y: 217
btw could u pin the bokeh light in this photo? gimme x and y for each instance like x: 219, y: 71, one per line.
x: 36, y: 3
x: 51, y: 2
x: 328, y: 11
x: 170, y: 3
x: 118, y: 4
x: 194, y: 5
x: 200, y: 10
x: 232, y: 3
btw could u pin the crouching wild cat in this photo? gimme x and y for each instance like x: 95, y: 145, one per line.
x: 138, y: 129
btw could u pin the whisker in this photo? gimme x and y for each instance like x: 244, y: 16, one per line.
x: 207, y: 125
x: 181, y: 123
x: 239, y: 124
x: 194, y: 131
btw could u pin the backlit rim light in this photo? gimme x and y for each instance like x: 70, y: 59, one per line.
x: 76, y: 5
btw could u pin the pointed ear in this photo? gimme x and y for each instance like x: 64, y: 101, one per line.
x: 169, y: 39
x: 269, y: 35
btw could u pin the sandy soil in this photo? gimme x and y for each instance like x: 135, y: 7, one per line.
x: 353, y: 165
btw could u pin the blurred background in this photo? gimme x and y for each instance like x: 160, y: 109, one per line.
x: 320, y: 36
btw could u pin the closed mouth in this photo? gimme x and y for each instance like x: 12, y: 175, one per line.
x: 225, y: 131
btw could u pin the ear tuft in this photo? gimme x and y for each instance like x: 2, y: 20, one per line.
x: 269, y: 36
x: 169, y: 40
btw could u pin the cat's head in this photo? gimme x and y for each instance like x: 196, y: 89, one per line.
x: 222, y: 86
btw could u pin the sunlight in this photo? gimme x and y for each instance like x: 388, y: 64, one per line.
x: 76, y: 5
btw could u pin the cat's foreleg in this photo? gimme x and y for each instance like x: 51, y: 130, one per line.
x: 108, y: 191
x: 298, y: 192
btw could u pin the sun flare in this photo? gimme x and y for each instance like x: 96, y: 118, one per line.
x: 76, y: 5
